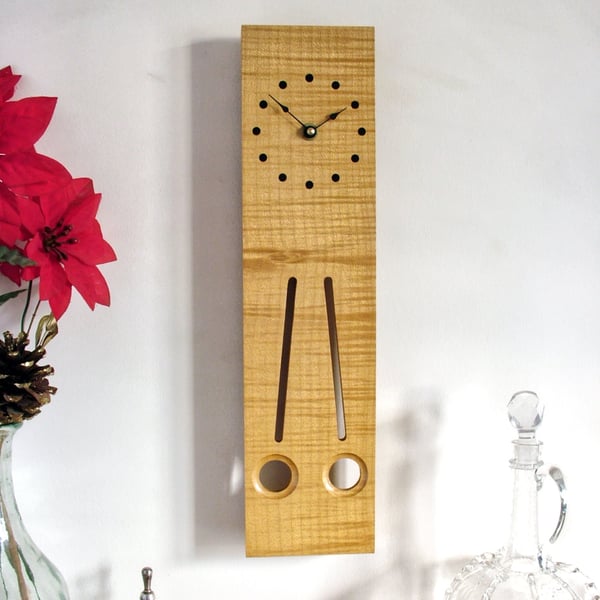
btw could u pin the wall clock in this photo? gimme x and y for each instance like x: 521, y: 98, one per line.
x: 308, y: 186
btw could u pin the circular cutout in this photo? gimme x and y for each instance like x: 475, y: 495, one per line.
x: 263, y: 104
x: 355, y: 104
x: 256, y: 130
x: 275, y: 476
x: 346, y: 475
x: 262, y: 157
x: 335, y: 85
x: 309, y: 77
x: 282, y: 84
x: 282, y: 177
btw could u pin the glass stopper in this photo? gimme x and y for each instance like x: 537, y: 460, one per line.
x: 525, y: 413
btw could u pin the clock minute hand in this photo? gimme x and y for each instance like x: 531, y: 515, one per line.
x: 285, y: 109
x: 331, y: 117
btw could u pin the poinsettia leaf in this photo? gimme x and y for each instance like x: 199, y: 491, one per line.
x: 32, y: 174
x: 23, y: 122
x: 13, y: 256
x: 8, y: 80
x: 9, y: 296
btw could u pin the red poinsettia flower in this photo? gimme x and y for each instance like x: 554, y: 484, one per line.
x: 66, y: 244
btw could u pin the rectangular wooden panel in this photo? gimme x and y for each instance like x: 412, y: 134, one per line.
x: 309, y: 288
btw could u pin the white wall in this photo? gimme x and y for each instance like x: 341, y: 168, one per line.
x: 488, y: 282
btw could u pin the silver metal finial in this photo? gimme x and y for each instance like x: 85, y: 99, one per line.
x: 147, y: 594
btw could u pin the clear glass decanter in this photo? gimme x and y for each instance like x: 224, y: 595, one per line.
x: 522, y: 570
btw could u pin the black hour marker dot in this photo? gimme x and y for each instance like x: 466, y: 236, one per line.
x: 335, y: 177
x: 355, y: 158
x: 282, y: 176
x: 309, y: 185
x: 282, y: 84
x: 354, y: 104
x: 362, y: 131
x: 309, y: 77
x: 256, y: 130
x: 263, y: 104
x: 335, y: 85
x: 262, y: 157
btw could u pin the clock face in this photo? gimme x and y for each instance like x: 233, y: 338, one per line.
x: 310, y: 130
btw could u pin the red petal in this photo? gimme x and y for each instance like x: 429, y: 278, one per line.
x: 55, y: 287
x: 30, y: 273
x: 60, y: 302
x: 23, y: 122
x: 7, y: 197
x: 9, y: 234
x: 32, y: 174
x: 91, y: 248
x: 12, y: 272
x: 75, y: 203
x: 32, y: 217
x: 10, y: 221
x: 8, y: 80
x: 88, y: 281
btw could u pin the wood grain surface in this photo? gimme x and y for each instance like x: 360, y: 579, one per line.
x: 293, y: 230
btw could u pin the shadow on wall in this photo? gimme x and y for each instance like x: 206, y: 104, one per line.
x: 94, y: 585
x: 407, y: 445
x: 407, y: 455
x: 217, y: 293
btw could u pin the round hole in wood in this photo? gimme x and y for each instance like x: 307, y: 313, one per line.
x: 275, y: 476
x: 346, y: 474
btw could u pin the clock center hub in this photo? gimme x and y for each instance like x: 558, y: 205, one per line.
x: 310, y: 131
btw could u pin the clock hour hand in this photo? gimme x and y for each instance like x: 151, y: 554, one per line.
x: 331, y: 117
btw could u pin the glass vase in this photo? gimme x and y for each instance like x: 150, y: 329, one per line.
x: 25, y: 573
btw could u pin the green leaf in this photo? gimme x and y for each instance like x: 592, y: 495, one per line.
x: 9, y: 296
x: 13, y: 256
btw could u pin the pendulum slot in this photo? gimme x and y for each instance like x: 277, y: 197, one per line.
x: 335, y: 359
x: 286, y: 346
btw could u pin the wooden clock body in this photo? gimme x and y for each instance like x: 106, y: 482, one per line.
x: 309, y: 288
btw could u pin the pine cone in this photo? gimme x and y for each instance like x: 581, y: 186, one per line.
x: 24, y: 386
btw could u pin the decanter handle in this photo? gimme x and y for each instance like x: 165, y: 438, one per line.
x: 557, y: 476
